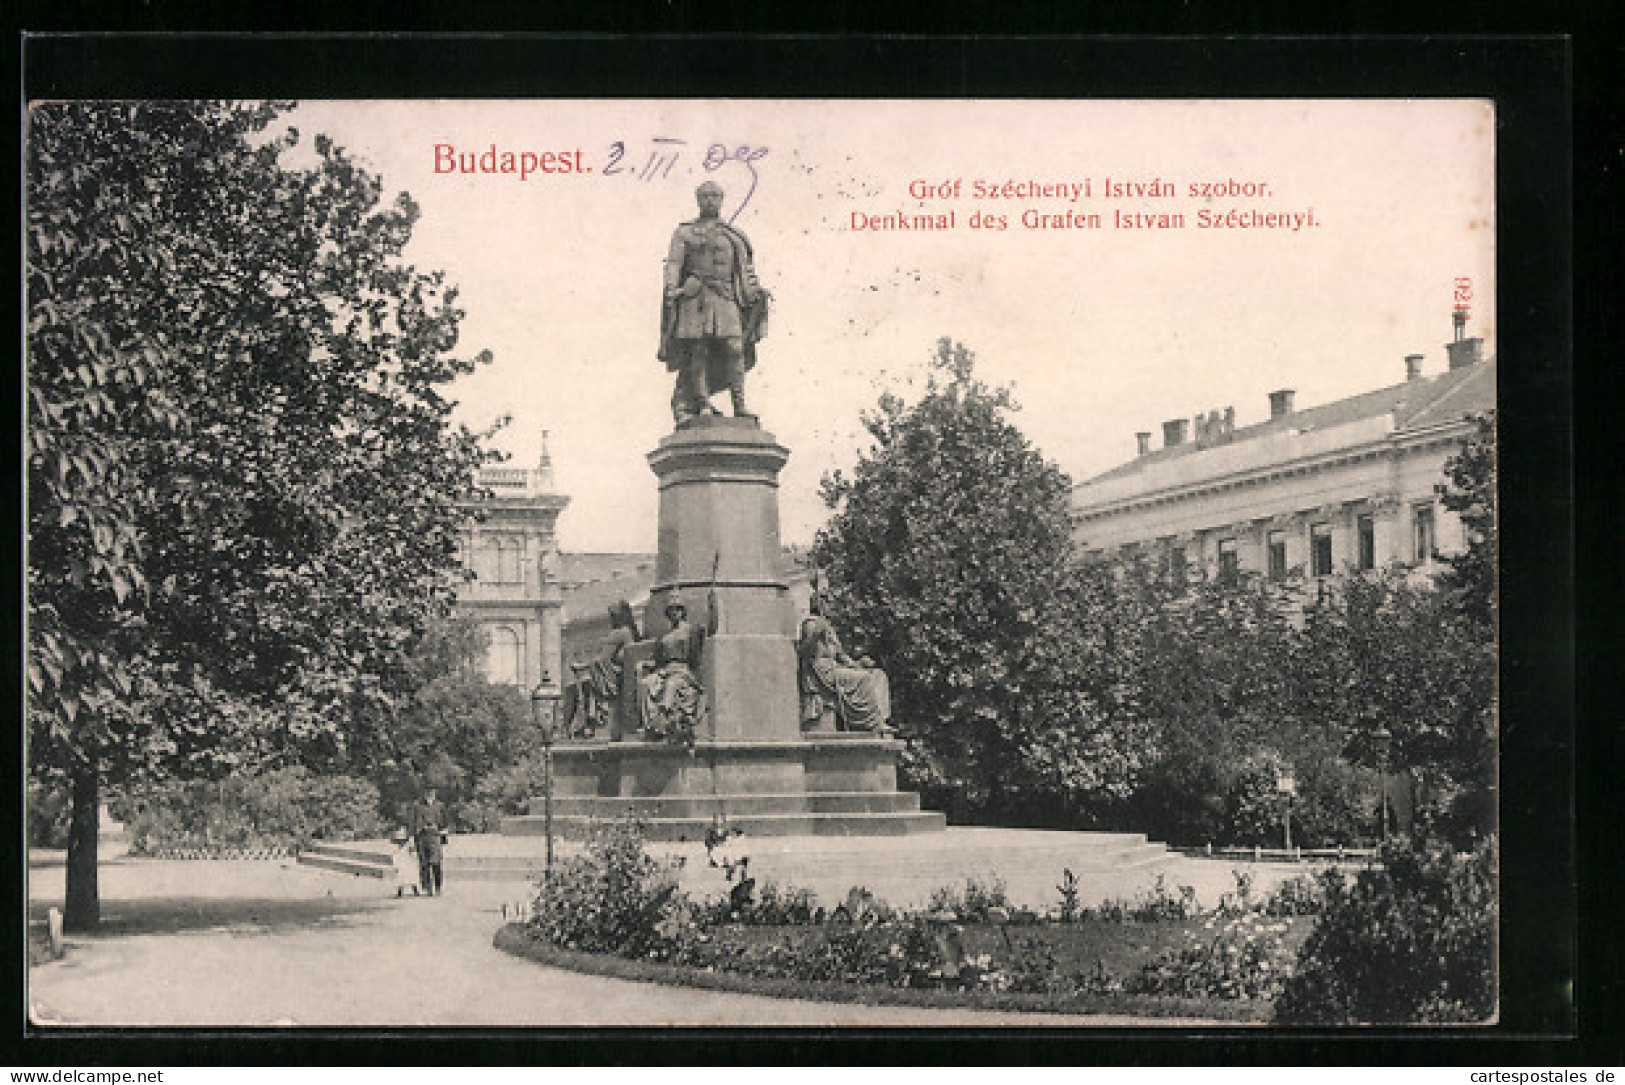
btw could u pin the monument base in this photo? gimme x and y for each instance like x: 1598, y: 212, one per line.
x: 822, y: 785
x: 752, y: 765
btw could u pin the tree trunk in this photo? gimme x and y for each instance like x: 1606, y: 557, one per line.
x: 83, y: 910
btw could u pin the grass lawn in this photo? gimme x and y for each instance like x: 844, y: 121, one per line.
x: 1120, y: 948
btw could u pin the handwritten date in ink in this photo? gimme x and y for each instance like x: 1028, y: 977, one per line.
x: 658, y: 161
x: 658, y: 164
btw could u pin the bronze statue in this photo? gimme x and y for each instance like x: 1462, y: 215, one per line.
x: 591, y: 697
x: 671, y: 700
x: 714, y: 311
x: 855, y: 692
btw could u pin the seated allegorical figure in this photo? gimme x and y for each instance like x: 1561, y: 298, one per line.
x: 671, y: 699
x: 857, y: 691
x: 594, y: 689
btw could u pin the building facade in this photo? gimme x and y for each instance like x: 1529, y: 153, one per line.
x: 1349, y: 485
x: 510, y: 544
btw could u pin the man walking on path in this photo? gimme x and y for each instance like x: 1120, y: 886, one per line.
x: 423, y: 825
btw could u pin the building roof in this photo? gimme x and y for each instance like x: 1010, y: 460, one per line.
x: 1412, y: 405
x: 591, y: 583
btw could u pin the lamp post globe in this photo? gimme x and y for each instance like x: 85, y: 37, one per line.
x: 1287, y: 785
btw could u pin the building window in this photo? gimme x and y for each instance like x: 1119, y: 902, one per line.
x: 503, y: 659
x: 1368, y: 543
x: 1320, y: 549
x: 1176, y: 566
x: 1277, y: 555
x: 1423, y: 547
x: 505, y: 555
x: 1229, y: 562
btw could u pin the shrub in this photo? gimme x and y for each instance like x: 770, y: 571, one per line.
x: 1096, y: 980
x: 1033, y: 968
x: 862, y: 906
x: 1255, y: 805
x: 772, y: 905
x: 1325, y: 810
x: 47, y: 815
x: 1295, y: 896
x: 975, y: 903
x: 1240, y: 900
x: 1243, y: 959
x: 333, y: 807
x: 1182, y: 798
x: 286, y: 807
x: 1071, y: 897
x: 613, y: 898
x: 503, y: 792
x: 1334, y: 798
x: 910, y: 951
x: 1154, y: 905
x: 894, y: 953
x: 1410, y: 941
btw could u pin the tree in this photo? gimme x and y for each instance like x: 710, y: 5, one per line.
x: 456, y: 729
x: 1469, y: 492
x: 243, y: 484
x: 1204, y: 661
x: 1395, y: 652
x: 947, y: 556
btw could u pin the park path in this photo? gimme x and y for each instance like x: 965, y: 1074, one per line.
x: 245, y: 943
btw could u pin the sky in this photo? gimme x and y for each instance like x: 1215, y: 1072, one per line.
x: 1100, y: 331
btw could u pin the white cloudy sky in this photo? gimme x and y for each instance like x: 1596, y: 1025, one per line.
x: 1100, y: 332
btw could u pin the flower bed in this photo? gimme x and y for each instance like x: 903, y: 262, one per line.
x: 518, y: 940
x: 1070, y: 964
x: 615, y: 909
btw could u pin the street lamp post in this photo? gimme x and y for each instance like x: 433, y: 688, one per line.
x: 544, y: 703
x: 1380, y: 739
x: 1287, y: 785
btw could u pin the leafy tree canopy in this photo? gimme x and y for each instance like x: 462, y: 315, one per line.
x: 243, y: 482
x: 1469, y: 491
x: 947, y: 558
x: 457, y: 728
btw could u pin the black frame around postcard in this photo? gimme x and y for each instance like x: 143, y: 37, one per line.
x: 1547, y: 991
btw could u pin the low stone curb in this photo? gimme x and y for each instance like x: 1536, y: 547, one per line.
x: 512, y: 939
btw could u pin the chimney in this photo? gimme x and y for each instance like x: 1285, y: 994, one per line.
x: 1464, y: 352
x: 544, y: 465
x: 1143, y: 439
x: 1280, y: 403
x: 1413, y: 367
x: 1173, y: 432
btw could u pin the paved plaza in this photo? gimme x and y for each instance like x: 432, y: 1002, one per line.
x: 255, y: 943
x: 262, y: 943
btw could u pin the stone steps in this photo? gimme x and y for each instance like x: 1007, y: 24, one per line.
x: 731, y: 806
x: 694, y: 827
x: 901, y: 869
x: 1030, y: 876
x: 349, y: 859
x: 1080, y: 861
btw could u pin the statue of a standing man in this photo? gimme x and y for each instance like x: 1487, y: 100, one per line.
x: 714, y: 311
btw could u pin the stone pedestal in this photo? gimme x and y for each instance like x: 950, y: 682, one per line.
x: 719, y: 527
x: 751, y: 763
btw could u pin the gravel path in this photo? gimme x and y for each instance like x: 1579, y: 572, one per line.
x: 246, y: 943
